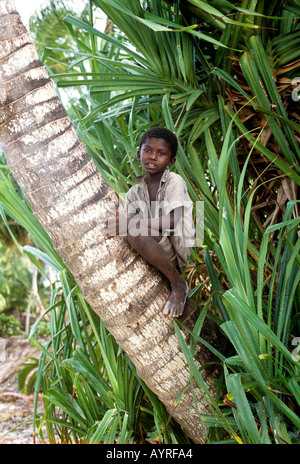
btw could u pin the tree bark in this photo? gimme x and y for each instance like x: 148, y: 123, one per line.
x: 69, y: 197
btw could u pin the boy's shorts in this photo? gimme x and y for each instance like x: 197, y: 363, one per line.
x: 168, y: 248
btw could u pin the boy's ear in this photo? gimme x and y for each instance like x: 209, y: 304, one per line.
x: 172, y: 161
x: 138, y: 154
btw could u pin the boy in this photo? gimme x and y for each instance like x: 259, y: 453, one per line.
x: 158, y: 212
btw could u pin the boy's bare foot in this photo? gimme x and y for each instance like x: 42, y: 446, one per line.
x: 176, y: 301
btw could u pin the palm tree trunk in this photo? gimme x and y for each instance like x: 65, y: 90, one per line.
x: 69, y: 197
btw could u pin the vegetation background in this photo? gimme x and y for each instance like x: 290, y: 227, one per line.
x: 225, y: 77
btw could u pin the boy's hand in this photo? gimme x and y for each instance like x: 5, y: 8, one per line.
x: 115, y: 225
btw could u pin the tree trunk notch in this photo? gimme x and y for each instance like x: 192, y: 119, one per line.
x: 69, y: 197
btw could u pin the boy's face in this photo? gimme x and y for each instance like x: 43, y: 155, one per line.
x: 155, y: 156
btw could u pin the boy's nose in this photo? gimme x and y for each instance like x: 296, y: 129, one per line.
x: 153, y: 154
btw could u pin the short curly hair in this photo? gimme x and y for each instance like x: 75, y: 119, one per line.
x: 161, y: 133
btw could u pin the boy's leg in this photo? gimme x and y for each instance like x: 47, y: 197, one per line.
x: 149, y: 248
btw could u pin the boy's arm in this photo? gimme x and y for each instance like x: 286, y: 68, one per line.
x: 117, y: 224
x: 160, y: 224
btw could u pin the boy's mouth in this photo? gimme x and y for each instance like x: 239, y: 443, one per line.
x: 151, y: 165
